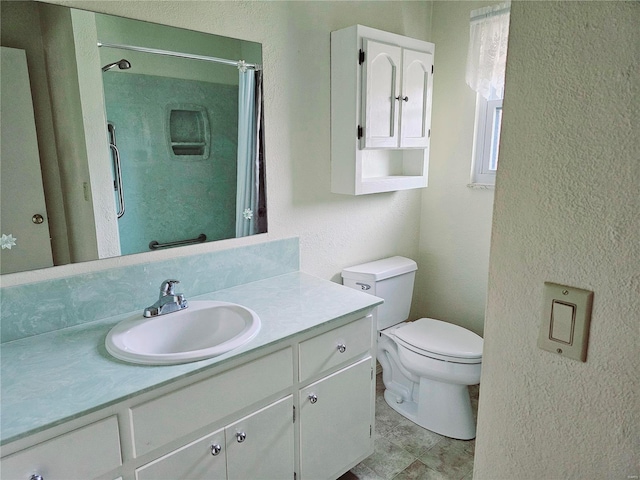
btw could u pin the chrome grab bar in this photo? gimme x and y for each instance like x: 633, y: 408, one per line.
x: 199, y: 239
x: 115, y: 155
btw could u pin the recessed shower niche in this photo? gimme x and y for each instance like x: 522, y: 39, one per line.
x: 188, y: 132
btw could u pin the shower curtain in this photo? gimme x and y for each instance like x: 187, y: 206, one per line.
x: 248, y: 196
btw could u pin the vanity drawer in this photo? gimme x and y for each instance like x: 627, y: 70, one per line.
x: 86, y: 453
x: 188, y: 409
x: 335, y: 347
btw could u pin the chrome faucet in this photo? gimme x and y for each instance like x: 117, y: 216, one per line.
x: 169, y: 300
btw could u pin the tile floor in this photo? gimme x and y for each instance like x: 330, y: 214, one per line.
x: 405, y: 451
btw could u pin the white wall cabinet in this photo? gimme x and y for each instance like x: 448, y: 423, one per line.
x: 381, y: 93
x: 254, y: 419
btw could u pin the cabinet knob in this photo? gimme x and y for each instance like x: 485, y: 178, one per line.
x: 215, y: 449
x: 313, y: 398
x: 241, y: 437
x: 405, y: 98
x: 36, y: 477
x: 342, y: 348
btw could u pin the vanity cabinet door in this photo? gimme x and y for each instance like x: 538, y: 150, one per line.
x: 260, y: 445
x: 336, y: 421
x: 203, y: 459
x: 417, y: 80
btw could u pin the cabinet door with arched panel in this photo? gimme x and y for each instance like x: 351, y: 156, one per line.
x: 417, y: 84
x: 381, y: 81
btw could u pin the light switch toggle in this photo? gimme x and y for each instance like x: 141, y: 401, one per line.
x: 563, y: 320
x: 566, y: 315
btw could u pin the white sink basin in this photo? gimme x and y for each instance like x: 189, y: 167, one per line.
x: 203, y: 330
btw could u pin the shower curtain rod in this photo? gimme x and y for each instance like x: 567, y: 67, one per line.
x: 488, y: 12
x: 241, y: 64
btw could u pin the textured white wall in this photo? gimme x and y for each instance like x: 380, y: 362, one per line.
x: 335, y: 230
x: 567, y: 210
x: 455, y: 228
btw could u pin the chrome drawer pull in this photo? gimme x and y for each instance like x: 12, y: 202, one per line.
x: 241, y: 437
x: 313, y: 398
x: 215, y: 449
x: 342, y: 348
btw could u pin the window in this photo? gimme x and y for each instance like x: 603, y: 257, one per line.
x: 486, y: 61
x: 486, y: 143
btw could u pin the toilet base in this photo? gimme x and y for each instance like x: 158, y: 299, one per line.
x: 443, y: 408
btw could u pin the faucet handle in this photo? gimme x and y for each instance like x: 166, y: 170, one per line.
x: 168, y: 287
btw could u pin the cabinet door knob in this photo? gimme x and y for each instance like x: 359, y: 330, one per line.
x: 36, y: 477
x: 313, y: 398
x: 241, y: 437
x: 342, y: 348
x: 405, y: 98
x: 215, y: 449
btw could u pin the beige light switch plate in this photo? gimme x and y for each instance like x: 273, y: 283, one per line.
x: 566, y: 315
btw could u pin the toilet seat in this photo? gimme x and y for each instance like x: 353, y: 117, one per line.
x: 440, y: 340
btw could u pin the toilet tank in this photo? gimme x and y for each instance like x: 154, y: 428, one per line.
x: 390, y: 279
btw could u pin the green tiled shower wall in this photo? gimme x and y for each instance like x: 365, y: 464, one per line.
x: 41, y: 307
x: 171, y: 197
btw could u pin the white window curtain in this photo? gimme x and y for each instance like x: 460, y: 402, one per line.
x: 487, y: 53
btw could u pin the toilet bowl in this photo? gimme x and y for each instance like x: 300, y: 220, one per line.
x: 428, y: 364
x: 431, y: 388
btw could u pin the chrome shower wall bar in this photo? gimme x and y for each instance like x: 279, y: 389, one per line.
x: 235, y: 63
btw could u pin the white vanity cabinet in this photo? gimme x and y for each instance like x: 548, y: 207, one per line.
x: 381, y: 95
x: 303, y: 408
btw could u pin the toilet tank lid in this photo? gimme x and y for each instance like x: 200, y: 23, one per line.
x: 380, y: 269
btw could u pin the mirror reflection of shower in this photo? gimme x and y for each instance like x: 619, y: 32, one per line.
x: 188, y: 155
x: 122, y: 64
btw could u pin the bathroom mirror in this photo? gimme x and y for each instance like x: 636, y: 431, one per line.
x: 121, y: 136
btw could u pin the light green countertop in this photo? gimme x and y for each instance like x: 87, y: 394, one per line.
x: 58, y: 376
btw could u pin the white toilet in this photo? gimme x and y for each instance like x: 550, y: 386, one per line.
x: 427, y: 364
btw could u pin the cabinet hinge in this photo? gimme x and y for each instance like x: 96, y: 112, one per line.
x: 371, y: 373
x: 294, y: 415
x: 295, y: 476
x: 370, y: 430
x: 360, y: 57
x: 429, y: 134
x: 432, y: 69
x: 359, y: 132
